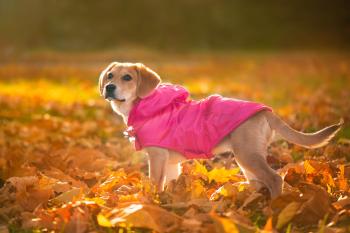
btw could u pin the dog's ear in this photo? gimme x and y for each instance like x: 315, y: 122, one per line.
x: 147, y: 80
x: 102, y: 78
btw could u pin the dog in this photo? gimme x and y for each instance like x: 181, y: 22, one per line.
x: 130, y: 86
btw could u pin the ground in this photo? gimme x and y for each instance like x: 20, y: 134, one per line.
x: 65, y: 165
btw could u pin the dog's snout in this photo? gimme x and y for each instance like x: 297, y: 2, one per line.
x: 110, y: 91
x: 110, y: 87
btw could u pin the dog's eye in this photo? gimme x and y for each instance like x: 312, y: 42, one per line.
x: 110, y: 76
x: 126, y: 77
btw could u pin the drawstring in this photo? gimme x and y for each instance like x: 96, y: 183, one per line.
x: 130, y: 134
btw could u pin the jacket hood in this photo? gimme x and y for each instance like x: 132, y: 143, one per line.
x: 161, y: 98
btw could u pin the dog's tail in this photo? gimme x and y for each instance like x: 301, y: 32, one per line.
x: 308, y: 140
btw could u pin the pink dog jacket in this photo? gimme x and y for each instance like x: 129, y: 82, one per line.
x: 168, y: 118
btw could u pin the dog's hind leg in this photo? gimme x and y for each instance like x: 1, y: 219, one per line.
x: 249, y: 142
x: 259, y: 173
x: 251, y: 178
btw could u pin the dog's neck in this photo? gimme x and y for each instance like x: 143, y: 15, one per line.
x: 123, y: 109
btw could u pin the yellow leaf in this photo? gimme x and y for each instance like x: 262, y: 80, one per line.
x: 224, y: 225
x: 342, y: 171
x: 103, y: 221
x: 241, y: 187
x: 222, y: 175
x: 309, y: 169
x: 141, y: 216
x: 197, y: 189
x: 220, y: 191
x: 268, y: 226
x: 226, y: 190
x: 328, y: 179
x: 287, y: 214
x: 223, y: 191
x: 343, y: 183
x: 67, y: 196
x: 96, y: 200
x: 200, y: 168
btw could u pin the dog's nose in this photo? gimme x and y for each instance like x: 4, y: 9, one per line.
x: 110, y: 87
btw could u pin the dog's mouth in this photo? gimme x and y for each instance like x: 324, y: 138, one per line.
x: 112, y: 97
x: 120, y: 100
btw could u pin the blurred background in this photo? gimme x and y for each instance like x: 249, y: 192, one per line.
x: 172, y: 25
x: 291, y: 55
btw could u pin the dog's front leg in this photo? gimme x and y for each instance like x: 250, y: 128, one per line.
x: 157, y: 164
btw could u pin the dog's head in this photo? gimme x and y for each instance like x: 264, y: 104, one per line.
x: 121, y: 82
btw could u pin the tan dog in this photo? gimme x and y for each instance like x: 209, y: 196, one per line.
x: 123, y: 83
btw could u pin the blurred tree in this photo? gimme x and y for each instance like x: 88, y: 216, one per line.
x: 184, y: 24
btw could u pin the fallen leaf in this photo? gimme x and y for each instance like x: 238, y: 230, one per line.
x: 287, y: 214
x: 224, y: 225
x: 67, y: 196
x: 140, y: 216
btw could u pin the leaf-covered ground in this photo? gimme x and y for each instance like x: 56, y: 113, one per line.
x: 65, y: 166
